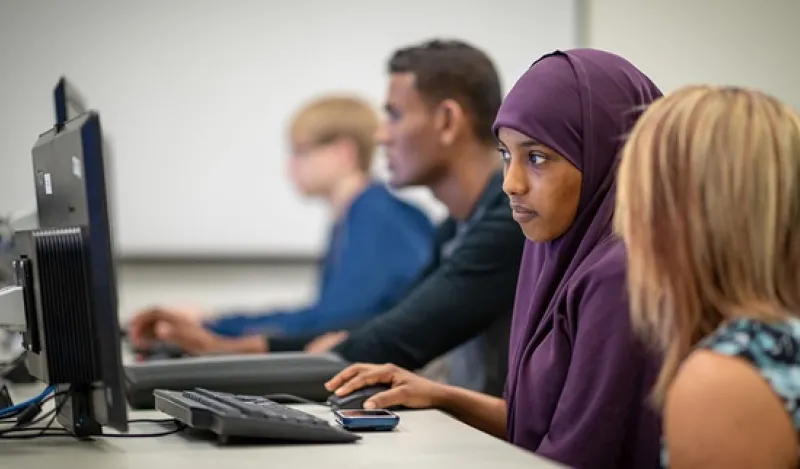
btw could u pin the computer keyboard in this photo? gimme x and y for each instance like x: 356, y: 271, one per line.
x: 236, y: 416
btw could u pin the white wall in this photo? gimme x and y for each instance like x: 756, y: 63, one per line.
x: 677, y: 42
x: 745, y: 42
x: 214, y: 287
x: 196, y: 95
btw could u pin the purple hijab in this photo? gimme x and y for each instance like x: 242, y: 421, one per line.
x: 578, y: 379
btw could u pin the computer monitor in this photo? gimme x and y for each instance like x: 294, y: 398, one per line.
x: 67, y: 104
x: 66, y: 293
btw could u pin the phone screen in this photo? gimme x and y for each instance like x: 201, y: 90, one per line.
x: 355, y: 413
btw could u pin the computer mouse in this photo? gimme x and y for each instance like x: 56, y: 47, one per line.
x: 356, y: 399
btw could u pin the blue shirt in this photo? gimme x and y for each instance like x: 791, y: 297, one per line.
x: 374, y: 254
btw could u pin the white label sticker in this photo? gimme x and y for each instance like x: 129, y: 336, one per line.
x: 76, y: 167
x: 48, y: 185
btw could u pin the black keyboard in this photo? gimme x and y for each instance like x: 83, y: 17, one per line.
x: 236, y: 416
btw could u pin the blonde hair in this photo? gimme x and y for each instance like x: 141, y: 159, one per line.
x: 708, y: 205
x: 329, y: 118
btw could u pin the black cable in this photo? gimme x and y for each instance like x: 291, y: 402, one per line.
x: 10, y: 418
x: 57, y: 432
x: 27, y: 424
x: 49, y: 432
x: 42, y: 432
x: 36, y: 407
x: 27, y: 415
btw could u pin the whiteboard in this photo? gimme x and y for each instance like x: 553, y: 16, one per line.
x: 194, y: 96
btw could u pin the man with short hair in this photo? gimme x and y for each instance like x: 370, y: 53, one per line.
x: 442, y: 100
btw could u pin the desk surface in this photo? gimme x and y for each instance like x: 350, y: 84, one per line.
x: 424, y: 439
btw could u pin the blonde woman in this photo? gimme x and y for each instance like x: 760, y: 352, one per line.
x: 709, y: 209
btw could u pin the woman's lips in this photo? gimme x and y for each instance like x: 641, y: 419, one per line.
x: 522, y: 214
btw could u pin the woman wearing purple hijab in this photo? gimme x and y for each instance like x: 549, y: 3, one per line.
x: 578, y: 380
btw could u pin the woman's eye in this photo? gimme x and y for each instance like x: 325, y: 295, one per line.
x: 504, y: 155
x: 536, y: 158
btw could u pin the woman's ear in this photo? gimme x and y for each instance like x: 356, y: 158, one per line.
x: 450, y: 121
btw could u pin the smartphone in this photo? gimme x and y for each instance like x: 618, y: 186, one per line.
x: 366, y: 420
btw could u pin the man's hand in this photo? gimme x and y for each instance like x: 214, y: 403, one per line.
x: 149, y: 324
x: 180, y: 326
x: 408, y: 389
x: 183, y: 328
x: 326, y: 342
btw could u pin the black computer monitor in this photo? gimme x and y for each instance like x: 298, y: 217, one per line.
x: 67, y: 273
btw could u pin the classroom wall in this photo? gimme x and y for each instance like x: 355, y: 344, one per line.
x: 195, y: 97
x: 678, y: 42
x: 745, y: 42
x: 214, y: 286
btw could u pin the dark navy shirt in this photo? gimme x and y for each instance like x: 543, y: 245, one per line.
x: 374, y: 254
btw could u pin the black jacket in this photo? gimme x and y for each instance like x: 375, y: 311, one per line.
x: 469, y: 293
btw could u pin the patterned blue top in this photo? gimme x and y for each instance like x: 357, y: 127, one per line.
x: 772, y: 348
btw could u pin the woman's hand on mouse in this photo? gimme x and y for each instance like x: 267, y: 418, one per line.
x: 407, y: 389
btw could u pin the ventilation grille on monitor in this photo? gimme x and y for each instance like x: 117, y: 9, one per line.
x: 63, y: 289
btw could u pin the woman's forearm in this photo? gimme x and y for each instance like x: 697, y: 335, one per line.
x: 484, y: 412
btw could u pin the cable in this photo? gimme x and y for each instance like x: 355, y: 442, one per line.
x: 60, y: 432
x: 10, y: 417
x: 25, y: 423
x: 45, y: 431
x: 15, y: 409
x: 25, y: 416
x: 28, y: 426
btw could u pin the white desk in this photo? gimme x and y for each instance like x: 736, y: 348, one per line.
x: 424, y: 439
